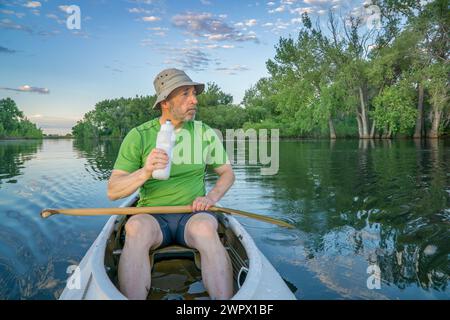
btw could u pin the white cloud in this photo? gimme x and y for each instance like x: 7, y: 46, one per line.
x: 10, y: 12
x: 63, y: 8
x: 158, y: 29
x: 56, y: 18
x: 190, y: 59
x: 151, y: 19
x: 146, y: 42
x: 192, y: 41
x: 270, y: 4
x: 138, y: 10
x: 233, y: 70
x: 27, y: 88
x: 216, y: 46
x: 33, y: 4
x: 280, y: 25
x: 300, y: 11
x: 317, y: 2
x: 250, y: 23
x: 9, y: 24
x: 218, y: 37
x: 280, y: 9
x: 208, y: 26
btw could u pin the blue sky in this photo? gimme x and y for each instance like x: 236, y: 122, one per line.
x: 56, y: 74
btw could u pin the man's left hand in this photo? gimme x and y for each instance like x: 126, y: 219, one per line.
x: 202, y: 204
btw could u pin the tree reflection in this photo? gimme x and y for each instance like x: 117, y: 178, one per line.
x: 390, y: 198
x: 99, y: 154
x: 13, y: 155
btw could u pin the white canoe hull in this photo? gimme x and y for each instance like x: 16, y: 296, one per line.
x: 91, y: 282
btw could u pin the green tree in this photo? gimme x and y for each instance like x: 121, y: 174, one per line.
x: 394, y: 109
x: 213, y: 96
x: 14, y: 124
x: 10, y: 114
x: 113, y: 118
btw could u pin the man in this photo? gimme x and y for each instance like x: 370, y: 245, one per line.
x: 137, y: 159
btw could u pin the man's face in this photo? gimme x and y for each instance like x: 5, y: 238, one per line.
x: 182, y: 103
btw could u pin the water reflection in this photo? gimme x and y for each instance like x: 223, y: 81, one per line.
x: 13, y: 155
x: 355, y: 204
x: 35, y: 253
x: 100, y: 156
x: 360, y: 203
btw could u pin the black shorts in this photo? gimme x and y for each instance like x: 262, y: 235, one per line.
x: 173, y: 225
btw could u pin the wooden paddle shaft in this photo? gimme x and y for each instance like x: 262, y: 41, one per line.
x: 116, y: 211
x: 156, y: 210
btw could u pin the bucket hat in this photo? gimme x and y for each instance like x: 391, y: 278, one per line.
x: 168, y: 80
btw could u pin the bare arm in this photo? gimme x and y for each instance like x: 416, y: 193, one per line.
x: 223, y: 184
x: 122, y: 184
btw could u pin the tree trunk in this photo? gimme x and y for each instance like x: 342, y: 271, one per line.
x: 419, y: 121
x: 364, y: 122
x: 332, y: 130
x: 434, y: 132
x: 389, y: 133
x: 358, y: 119
x: 385, y: 130
x: 372, y: 131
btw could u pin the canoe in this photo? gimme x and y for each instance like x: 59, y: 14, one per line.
x: 176, y: 271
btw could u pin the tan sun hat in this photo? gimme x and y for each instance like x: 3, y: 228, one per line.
x: 170, y: 79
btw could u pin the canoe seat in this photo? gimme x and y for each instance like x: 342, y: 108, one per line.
x: 175, y: 252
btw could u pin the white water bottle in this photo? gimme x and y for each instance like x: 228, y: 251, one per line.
x: 166, y: 141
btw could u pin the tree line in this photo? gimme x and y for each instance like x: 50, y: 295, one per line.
x: 350, y: 80
x: 114, y: 118
x: 369, y: 82
x: 13, y: 123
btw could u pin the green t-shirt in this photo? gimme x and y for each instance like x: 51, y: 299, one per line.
x: 196, y: 146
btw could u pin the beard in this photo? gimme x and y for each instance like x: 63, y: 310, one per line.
x: 181, y: 116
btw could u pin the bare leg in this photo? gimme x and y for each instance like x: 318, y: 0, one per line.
x: 201, y: 233
x: 142, y: 233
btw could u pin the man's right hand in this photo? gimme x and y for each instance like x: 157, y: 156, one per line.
x: 157, y: 159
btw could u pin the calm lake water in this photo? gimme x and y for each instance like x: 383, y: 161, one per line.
x: 357, y: 205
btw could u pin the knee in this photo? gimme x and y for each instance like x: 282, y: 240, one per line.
x: 144, y: 228
x: 203, y: 231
